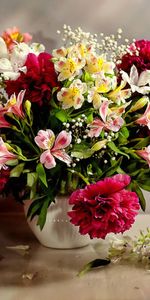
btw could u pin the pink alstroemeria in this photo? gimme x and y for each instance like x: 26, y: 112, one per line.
x: 14, y: 104
x: 145, y: 154
x: 5, y: 155
x: 55, y: 148
x: 145, y: 119
x: 13, y: 36
x: 3, y: 122
x: 111, y: 121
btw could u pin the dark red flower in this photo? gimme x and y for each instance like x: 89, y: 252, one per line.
x: 104, y: 207
x: 38, y: 81
x: 4, y: 177
x: 141, y: 61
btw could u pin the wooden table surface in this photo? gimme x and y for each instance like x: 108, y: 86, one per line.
x: 56, y: 270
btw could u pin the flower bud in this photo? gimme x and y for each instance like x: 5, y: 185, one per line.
x: 139, y: 104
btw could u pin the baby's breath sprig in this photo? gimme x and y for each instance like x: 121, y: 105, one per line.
x: 113, y: 46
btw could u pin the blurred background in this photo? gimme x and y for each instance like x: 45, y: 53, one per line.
x: 43, y: 18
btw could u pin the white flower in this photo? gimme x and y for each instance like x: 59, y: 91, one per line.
x: 11, y: 63
x: 137, y: 82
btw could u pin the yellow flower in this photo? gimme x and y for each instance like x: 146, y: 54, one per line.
x: 79, y: 50
x: 68, y: 68
x: 98, y: 64
x: 105, y: 84
x: 58, y: 53
x: 72, y: 96
x: 95, y: 97
x: 119, y: 95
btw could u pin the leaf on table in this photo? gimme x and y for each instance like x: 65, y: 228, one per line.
x: 96, y: 263
x: 29, y: 276
x: 21, y: 249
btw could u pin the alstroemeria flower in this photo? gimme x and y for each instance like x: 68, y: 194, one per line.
x: 95, y: 97
x: 11, y: 63
x: 5, y: 155
x: 145, y: 119
x: 145, y: 153
x: 68, y: 68
x: 54, y: 148
x: 3, y: 122
x: 72, y: 96
x: 102, y: 85
x: 14, y: 104
x: 110, y: 121
x: 13, y: 35
x: 137, y: 82
x: 119, y: 95
x: 97, y: 64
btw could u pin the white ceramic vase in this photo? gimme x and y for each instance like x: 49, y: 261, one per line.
x: 57, y: 232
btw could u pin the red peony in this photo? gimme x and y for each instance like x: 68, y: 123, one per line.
x: 104, y: 207
x: 141, y: 61
x: 38, y: 81
x: 4, y: 177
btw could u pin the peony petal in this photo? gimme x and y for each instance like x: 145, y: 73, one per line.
x: 47, y: 160
x: 63, y: 140
x: 62, y: 155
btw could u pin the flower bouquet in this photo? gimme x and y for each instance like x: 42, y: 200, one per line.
x: 76, y: 123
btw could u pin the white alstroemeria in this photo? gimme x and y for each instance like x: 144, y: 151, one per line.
x: 37, y: 48
x: 137, y: 82
x: 6, y: 69
x: 11, y: 63
x: 3, y: 49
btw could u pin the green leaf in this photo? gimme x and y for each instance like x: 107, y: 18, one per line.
x: 33, y: 208
x: 16, y: 172
x: 144, y: 186
x: 135, y: 187
x: 12, y: 162
x: 32, y: 182
x: 41, y: 174
x: 113, y: 147
x: 82, y: 154
x: 62, y: 115
x: 96, y: 263
x: 125, y: 132
x: 113, y: 169
x: 143, y: 143
x: 99, y: 145
x: 43, y: 213
x: 90, y: 117
x: 31, y: 179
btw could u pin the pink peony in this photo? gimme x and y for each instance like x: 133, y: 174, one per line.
x: 38, y: 81
x: 104, y: 207
x: 141, y: 61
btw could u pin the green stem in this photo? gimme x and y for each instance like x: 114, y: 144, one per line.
x: 79, y: 175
